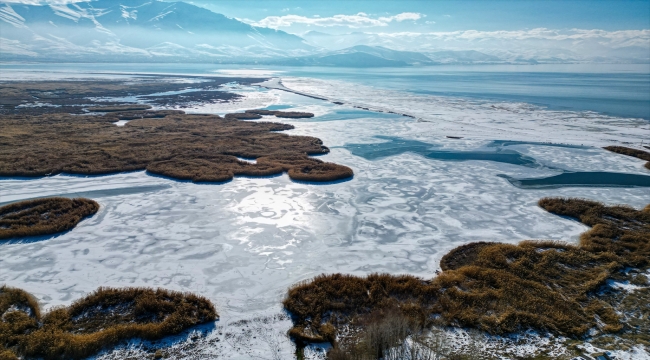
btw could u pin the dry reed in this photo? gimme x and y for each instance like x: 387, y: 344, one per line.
x: 257, y: 114
x: 498, y: 288
x: 168, y: 143
x: 95, y: 322
x: 639, y: 154
x: 114, y: 108
x: 43, y: 216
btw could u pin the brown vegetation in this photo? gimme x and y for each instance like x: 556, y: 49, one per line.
x: 97, y: 321
x: 128, y: 107
x: 384, y: 334
x: 282, y: 114
x: 168, y: 143
x: 257, y: 114
x: 639, y: 154
x: 498, y: 288
x: 43, y: 216
x: 74, y: 96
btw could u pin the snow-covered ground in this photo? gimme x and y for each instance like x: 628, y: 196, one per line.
x: 243, y: 243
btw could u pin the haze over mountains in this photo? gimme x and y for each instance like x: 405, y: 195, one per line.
x: 152, y: 30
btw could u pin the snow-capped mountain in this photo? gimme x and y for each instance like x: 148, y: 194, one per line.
x: 167, y: 31
x: 109, y: 29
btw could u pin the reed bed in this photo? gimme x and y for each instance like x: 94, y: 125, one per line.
x: 257, y: 114
x: 114, y: 108
x: 76, y: 96
x: 639, y: 154
x: 201, y: 148
x: 98, y: 321
x: 498, y: 288
x: 43, y: 216
x: 283, y: 114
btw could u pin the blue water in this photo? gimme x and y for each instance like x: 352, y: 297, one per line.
x: 396, y: 146
x: 582, y: 179
x: 617, y: 90
x: 613, y: 89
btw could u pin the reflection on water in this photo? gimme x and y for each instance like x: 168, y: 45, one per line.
x: 582, y: 179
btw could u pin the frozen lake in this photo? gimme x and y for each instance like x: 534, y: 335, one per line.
x: 243, y: 243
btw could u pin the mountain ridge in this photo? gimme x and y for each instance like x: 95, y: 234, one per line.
x: 120, y: 28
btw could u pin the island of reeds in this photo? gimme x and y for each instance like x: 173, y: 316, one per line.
x: 548, y: 286
x: 79, y: 97
x: 201, y: 148
x: 97, y: 321
x: 639, y: 154
x: 43, y: 216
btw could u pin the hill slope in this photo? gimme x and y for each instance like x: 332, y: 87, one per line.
x: 108, y: 29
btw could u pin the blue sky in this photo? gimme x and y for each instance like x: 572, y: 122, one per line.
x: 555, y: 30
x: 484, y: 15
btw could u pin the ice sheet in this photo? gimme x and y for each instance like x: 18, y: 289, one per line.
x: 243, y: 243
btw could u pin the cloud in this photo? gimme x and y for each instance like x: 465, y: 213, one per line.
x: 358, y: 20
x: 580, y: 42
x: 44, y: 2
x: 614, y: 37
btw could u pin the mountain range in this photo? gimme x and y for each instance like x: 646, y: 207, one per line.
x: 107, y: 29
x: 164, y: 31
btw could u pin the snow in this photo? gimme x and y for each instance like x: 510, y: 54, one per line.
x: 481, y: 120
x: 243, y: 243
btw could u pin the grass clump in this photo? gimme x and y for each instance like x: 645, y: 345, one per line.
x: 499, y: 288
x: 389, y: 335
x: 257, y: 114
x: 43, y: 216
x: 169, y: 143
x: 19, y: 314
x: 129, y: 107
x: 282, y: 114
x: 639, y: 154
x: 98, y: 321
x: 304, y: 168
x: 76, y: 96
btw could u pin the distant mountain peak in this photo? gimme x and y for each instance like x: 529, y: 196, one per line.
x: 60, y: 31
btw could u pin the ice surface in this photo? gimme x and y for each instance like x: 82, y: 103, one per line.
x: 441, y: 116
x: 243, y: 243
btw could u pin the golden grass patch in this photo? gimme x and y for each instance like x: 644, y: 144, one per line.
x: 169, y: 143
x: 639, y: 154
x: 127, y: 107
x: 498, y: 288
x: 98, y: 321
x: 43, y: 216
x: 257, y: 114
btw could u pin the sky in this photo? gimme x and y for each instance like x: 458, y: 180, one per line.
x: 509, y: 29
x: 426, y: 16
x: 338, y: 16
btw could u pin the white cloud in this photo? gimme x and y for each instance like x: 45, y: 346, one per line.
x: 614, y: 37
x: 44, y: 2
x: 539, y: 42
x: 353, y: 21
